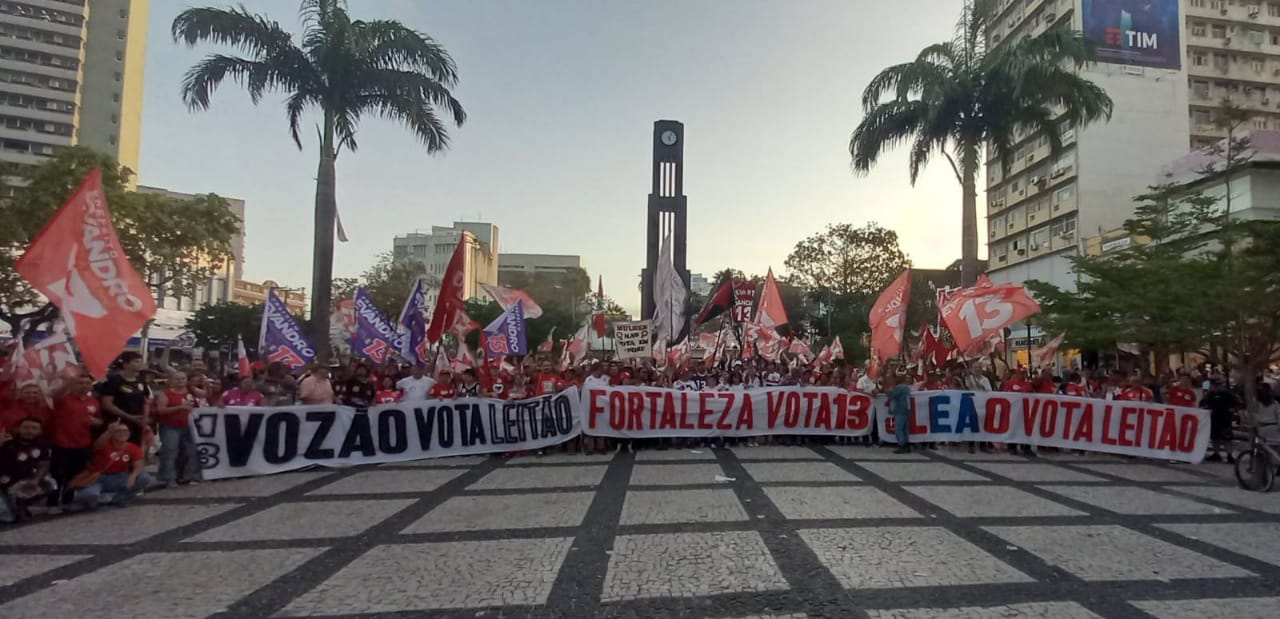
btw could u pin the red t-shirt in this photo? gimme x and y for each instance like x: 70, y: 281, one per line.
x: 441, y: 391
x: 387, y: 396
x: 1181, y: 396
x: 235, y: 397
x: 176, y: 419
x: 1135, y: 394
x: 73, y: 421
x: 1074, y: 389
x: 112, y: 459
x: 500, y: 388
x: 544, y: 384
x: 16, y: 412
x: 1016, y: 386
x: 1045, y: 385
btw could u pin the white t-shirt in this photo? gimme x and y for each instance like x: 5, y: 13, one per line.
x: 596, y: 381
x: 415, y: 389
x: 866, y: 384
x: 684, y: 385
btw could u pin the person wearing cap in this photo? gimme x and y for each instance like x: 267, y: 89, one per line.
x: 443, y: 389
x: 899, y: 401
x: 315, y: 387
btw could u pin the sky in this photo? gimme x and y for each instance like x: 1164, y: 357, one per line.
x: 561, y: 96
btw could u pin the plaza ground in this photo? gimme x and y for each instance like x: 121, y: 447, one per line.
x: 834, y: 531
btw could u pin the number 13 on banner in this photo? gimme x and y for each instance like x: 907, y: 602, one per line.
x: 985, y: 314
x: 977, y: 314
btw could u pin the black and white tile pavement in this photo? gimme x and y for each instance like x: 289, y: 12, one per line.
x: 777, y: 532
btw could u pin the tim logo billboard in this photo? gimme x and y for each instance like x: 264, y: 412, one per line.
x: 1145, y: 33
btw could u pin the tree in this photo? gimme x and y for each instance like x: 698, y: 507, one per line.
x: 845, y: 260
x: 345, y: 69
x: 389, y: 281
x: 174, y: 259
x: 222, y: 324
x: 961, y: 95
x: 345, y: 287
x: 563, y: 289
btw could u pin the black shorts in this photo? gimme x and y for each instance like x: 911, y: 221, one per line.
x: 1220, y: 425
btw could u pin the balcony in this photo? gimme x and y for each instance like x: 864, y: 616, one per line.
x: 1256, y: 13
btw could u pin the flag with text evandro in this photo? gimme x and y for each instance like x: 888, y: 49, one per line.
x: 281, y: 338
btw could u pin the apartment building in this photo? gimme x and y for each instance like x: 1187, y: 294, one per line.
x: 1233, y: 52
x: 433, y: 250
x: 220, y: 288
x: 1038, y: 209
x: 71, y: 72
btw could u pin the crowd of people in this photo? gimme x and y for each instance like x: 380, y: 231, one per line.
x: 86, y: 443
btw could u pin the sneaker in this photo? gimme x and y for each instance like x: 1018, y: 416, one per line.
x: 902, y: 450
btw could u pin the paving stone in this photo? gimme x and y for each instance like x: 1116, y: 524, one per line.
x: 1260, y: 540
x: 409, y: 577
x: 111, y: 525
x: 688, y: 565
x: 514, y: 511
x: 1044, y: 610
x: 920, y: 471
x: 19, y: 567
x: 675, y: 455
x: 1109, y: 552
x: 170, y: 585
x: 322, y: 520
x: 1268, y: 502
x: 1134, y: 500
x: 455, y: 461
x: 837, y: 503
x: 1146, y: 472
x: 1029, y: 471
x: 588, y: 476
x: 654, y: 474
x: 797, y: 472
x: 962, y: 453
x: 266, y: 485
x: 676, y: 506
x: 390, y: 481
x: 1229, y: 608
x: 894, y: 557
x: 793, y: 616
x: 859, y: 453
x: 775, y: 452
x: 562, y: 458
x: 990, y: 501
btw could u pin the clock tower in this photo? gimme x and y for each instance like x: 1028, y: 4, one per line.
x: 668, y: 209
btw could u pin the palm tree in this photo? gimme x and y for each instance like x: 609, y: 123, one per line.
x: 963, y: 95
x: 343, y: 68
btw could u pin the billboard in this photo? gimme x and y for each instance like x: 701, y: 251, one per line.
x: 1145, y: 33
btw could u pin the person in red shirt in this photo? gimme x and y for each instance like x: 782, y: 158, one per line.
x: 546, y: 382
x: 443, y: 389
x: 74, y: 418
x: 172, y: 410
x: 1073, y: 387
x: 1017, y: 383
x: 387, y: 394
x: 30, y: 402
x: 1181, y: 393
x: 1044, y: 383
x: 116, y: 468
x: 1135, y: 391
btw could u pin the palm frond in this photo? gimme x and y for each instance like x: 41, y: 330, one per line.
x: 255, y: 75
x: 885, y: 126
x: 386, y: 44
x: 414, y: 114
x: 235, y: 27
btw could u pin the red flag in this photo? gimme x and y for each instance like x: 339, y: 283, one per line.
x: 825, y: 355
x: 800, y: 349
x: 837, y: 349
x: 719, y: 303
x: 462, y: 325
x: 77, y: 262
x: 889, y: 316
x: 771, y: 313
x: 597, y: 318
x: 1046, y: 353
x: 450, y: 305
x: 242, y: 359
x: 550, y: 343
x: 977, y: 313
x: 507, y: 297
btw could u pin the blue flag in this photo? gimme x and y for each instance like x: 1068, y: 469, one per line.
x: 281, y: 339
x: 375, y: 337
x: 413, y: 325
x: 504, y: 337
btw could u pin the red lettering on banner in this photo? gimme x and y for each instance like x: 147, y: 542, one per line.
x: 1188, y: 428
x: 1153, y: 426
x: 791, y: 417
x: 1069, y: 408
x: 1048, y: 417
x: 1084, y: 430
x: 668, y: 412
x: 635, y: 404
x: 809, y: 398
x: 996, y: 420
x: 704, y: 411
x: 617, y: 410
x: 685, y: 422
x: 1128, y: 425
x: 654, y: 409
x: 746, y: 415
x: 775, y: 407
x: 723, y: 422
x: 1107, y: 438
x: 857, y: 415
x: 593, y: 407
x: 914, y: 427
x: 824, y: 412
x: 1168, y: 431
x: 1139, y: 425
x: 1030, y: 409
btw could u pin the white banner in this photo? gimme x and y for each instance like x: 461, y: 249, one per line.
x: 648, y: 412
x: 243, y: 441
x: 1144, y: 429
x: 632, y: 339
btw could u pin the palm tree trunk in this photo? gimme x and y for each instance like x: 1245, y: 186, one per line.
x: 322, y: 258
x: 969, y: 218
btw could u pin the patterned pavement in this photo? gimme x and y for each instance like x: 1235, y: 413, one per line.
x: 835, y: 531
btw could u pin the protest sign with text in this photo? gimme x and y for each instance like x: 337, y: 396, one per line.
x: 632, y: 339
x: 1144, y: 429
x: 243, y: 441
x: 649, y: 412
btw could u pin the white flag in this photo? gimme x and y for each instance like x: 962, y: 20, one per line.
x: 669, y: 295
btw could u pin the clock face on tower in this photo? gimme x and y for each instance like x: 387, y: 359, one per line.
x: 669, y: 137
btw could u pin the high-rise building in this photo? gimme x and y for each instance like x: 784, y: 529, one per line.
x: 71, y: 72
x: 1233, y: 52
x: 536, y: 264
x: 220, y: 288
x: 1038, y: 210
x: 480, y: 258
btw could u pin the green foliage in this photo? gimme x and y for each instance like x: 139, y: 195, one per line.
x: 562, y: 289
x: 389, y: 281
x: 847, y: 260
x: 220, y: 325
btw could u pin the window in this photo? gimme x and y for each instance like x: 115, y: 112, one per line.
x: 1217, y: 4
x: 1273, y: 9
x: 1201, y: 117
x: 115, y: 97
x: 1063, y: 195
x: 1196, y: 3
x: 1260, y: 123
x: 1200, y: 89
x: 1258, y: 65
x: 119, y: 56
x: 120, y: 34
x: 1218, y: 31
x: 1198, y: 59
x: 1255, y: 37
x: 1220, y: 61
x: 1040, y: 239
x: 1197, y: 30
x: 115, y: 119
x: 119, y: 76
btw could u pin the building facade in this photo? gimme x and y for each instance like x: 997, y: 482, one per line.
x: 1040, y: 206
x: 220, y: 287
x: 71, y: 73
x: 1233, y: 52
x: 249, y: 293
x: 434, y: 250
x: 533, y: 264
